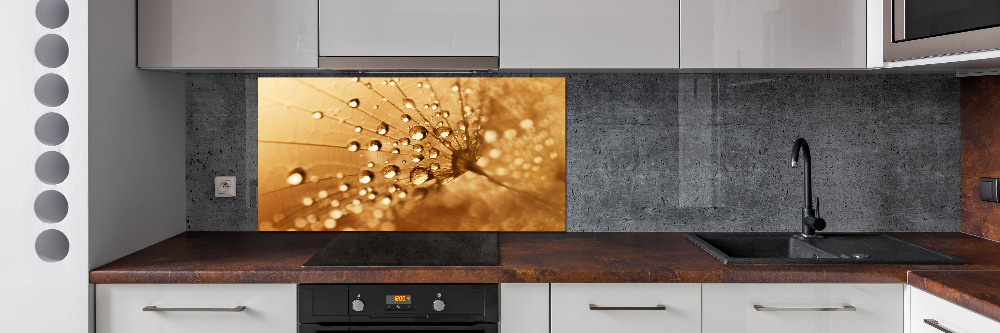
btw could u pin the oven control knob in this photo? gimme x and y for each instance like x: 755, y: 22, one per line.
x: 358, y: 305
x: 438, y: 305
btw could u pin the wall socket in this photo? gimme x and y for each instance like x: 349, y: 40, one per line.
x: 225, y: 186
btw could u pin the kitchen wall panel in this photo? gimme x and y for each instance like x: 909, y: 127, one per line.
x: 980, y: 153
x: 682, y: 152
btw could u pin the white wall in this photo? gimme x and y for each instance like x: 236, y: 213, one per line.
x: 36, y: 295
x: 137, y: 183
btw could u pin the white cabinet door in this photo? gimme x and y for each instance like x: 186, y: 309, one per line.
x: 227, y: 34
x: 589, y: 34
x: 794, y: 308
x: 774, y: 34
x: 270, y: 308
x: 951, y: 317
x: 406, y: 28
x: 524, y: 308
x: 626, y: 307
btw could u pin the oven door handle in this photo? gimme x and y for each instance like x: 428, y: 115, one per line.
x: 416, y: 327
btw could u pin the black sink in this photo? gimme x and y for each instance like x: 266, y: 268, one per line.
x: 787, y: 248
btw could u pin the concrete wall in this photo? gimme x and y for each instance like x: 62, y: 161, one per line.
x: 682, y: 152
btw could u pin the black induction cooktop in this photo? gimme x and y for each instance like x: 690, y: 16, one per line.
x: 408, y: 249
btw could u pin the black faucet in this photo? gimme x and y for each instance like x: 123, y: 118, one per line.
x: 810, y: 222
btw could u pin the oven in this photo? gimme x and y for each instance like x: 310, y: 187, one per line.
x: 388, y: 308
x: 927, y: 28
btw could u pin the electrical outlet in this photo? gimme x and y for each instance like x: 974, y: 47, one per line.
x: 225, y: 186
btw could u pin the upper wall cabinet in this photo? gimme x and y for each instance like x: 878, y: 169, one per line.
x: 406, y: 34
x: 219, y: 34
x: 589, y: 34
x: 777, y: 33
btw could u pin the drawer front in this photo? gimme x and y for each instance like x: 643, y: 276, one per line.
x: 269, y: 308
x: 572, y: 311
x: 730, y: 308
x: 949, y: 316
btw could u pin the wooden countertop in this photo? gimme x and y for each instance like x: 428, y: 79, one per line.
x: 277, y: 257
x: 978, y: 291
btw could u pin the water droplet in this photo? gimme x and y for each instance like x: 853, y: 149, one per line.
x: 374, y: 107
x: 409, y: 104
x: 390, y: 171
x: 490, y: 136
x: 354, y: 103
x: 392, y: 189
x: 322, y: 194
x: 435, y: 166
x: 405, y: 118
x: 374, y: 145
x: 527, y: 123
x: 382, y: 129
x: 371, y: 196
x: 307, y: 201
x: 427, y: 106
x: 354, y: 79
x: 418, y: 158
x: 300, y: 223
x: 386, y: 200
x: 435, y: 106
x: 384, y: 82
x: 395, y: 150
x: 340, y: 175
x: 317, y: 115
x: 467, y: 109
x: 401, y: 195
x: 443, y: 132
x: 418, y: 132
x: 420, y: 175
x: 495, y: 153
x: 418, y: 148
x: 420, y: 84
x: 537, y: 159
x: 370, y: 164
x: 296, y: 176
x: 405, y: 141
x: 335, y: 203
x: 433, y: 153
x: 353, y: 146
x: 392, y: 83
x: 336, y: 213
x: 330, y: 223
x: 357, y: 129
x: 344, y: 187
x: 445, y: 114
x: 454, y: 88
x: 365, y: 177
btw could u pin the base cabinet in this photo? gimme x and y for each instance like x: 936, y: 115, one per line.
x: 626, y: 307
x: 930, y: 314
x: 802, y: 308
x: 196, y: 308
x: 524, y: 308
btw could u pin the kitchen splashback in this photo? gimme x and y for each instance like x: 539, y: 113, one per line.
x: 411, y: 154
x: 681, y: 152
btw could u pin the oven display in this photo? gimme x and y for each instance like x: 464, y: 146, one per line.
x: 397, y: 299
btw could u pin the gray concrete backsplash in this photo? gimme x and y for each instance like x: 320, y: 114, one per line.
x: 681, y: 152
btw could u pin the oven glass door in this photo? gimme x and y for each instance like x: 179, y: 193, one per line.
x: 930, y: 18
x: 473, y: 328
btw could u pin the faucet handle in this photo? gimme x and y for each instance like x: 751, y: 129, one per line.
x: 817, y: 206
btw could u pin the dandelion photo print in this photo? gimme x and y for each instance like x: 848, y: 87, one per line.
x: 411, y: 154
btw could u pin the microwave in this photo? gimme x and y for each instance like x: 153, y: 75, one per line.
x: 915, y: 29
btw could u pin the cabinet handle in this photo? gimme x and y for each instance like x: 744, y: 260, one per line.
x: 630, y: 308
x: 935, y: 324
x: 759, y: 307
x: 233, y: 309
